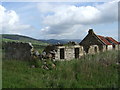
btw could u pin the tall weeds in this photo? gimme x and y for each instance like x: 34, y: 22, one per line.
x: 91, y: 71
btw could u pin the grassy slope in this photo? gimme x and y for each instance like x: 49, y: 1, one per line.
x: 91, y: 71
x: 9, y: 37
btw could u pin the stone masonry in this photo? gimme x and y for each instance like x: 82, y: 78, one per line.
x: 17, y: 50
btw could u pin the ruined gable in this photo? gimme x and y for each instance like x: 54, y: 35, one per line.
x: 91, y: 39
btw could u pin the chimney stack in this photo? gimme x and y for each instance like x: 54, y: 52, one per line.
x: 90, y: 31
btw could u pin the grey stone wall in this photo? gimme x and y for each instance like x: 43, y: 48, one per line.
x: 93, y: 49
x: 17, y: 50
x: 104, y: 48
x: 69, y: 52
x: 57, y: 53
x: 117, y: 47
x: 109, y: 47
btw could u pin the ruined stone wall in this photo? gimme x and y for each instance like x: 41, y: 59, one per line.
x: 57, y: 53
x: 104, y: 48
x: 69, y: 52
x: 109, y: 47
x: 117, y: 47
x: 93, y: 49
x: 96, y: 49
x: 81, y: 50
x: 17, y: 50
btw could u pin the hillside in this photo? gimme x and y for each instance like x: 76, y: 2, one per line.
x: 92, y: 71
x: 20, y: 38
x: 12, y: 37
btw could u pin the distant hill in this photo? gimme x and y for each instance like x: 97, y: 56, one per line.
x: 21, y: 38
x: 62, y: 41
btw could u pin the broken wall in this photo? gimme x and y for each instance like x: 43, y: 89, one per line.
x: 93, y: 49
x: 117, y: 47
x: 69, y: 52
x: 109, y: 47
x: 17, y: 50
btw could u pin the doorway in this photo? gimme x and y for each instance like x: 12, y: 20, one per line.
x: 106, y: 47
x: 95, y: 49
x: 62, y: 53
x: 76, y: 52
x: 113, y: 46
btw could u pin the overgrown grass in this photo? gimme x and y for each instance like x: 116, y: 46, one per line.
x: 91, y: 71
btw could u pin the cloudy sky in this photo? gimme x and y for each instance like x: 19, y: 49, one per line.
x: 57, y: 20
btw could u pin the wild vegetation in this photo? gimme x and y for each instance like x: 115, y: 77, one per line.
x: 92, y: 71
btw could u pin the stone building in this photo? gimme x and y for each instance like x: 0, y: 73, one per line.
x: 65, y: 52
x: 103, y: 43
x: 91, y: 44
x: 115, y: 44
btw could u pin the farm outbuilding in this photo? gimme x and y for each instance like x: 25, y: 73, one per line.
x: 65, y: 52
x: 91, y: 44
x: 103, y: 43
x: 115, y: 44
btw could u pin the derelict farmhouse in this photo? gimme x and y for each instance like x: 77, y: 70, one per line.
x: 91, y: 44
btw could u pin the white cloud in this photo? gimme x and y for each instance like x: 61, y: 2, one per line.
x: 65, y: 19
x: 73, y: 15
x: 59, y: 20
x: 10, y: 22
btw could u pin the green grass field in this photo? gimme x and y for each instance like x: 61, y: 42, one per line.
x: 19, y: 38
x: 91, y: 71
